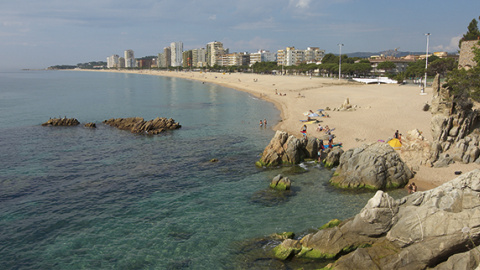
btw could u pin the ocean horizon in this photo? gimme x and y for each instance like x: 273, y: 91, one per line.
x: 74, y: 197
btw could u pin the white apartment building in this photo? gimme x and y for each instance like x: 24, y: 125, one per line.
x: 313, y: 55
x: 176, y: 50
x: 113, y: 61
x: 262, y: 56
x: 291, y: 56
x: 130, y: 61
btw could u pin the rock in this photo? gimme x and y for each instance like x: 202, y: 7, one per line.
x: 140, y: 126
x: 434, y: 229
x: 280, y: 183
x: 453, y: 120
x: 213, y: 160
x: 333, y: 157
x: 90, y: 125
x: 285, y: 149
x: 61, y: 122
x: 372, y: 166
x: 287, y: 249
x: 443, y: 161
x: 283, y: 236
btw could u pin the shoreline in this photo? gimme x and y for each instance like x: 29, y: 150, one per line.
x: 379, y: 109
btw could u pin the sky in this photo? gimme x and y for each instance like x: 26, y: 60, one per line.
x: 38, y: 34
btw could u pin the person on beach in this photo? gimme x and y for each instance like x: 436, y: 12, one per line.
x: 261, y: 123
x: 320, y: 150
x: 304, y: 131
x: 330, y: 137
x: 412, y: 188
x: 319, y: 128
x: 265, y: 122
x: 396, y: 134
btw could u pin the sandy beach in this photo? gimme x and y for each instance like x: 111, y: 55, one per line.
x: 380, y: 110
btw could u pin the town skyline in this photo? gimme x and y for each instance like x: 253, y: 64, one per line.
x: 37, y: 35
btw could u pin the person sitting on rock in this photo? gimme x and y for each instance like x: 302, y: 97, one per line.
x: 412, y: 188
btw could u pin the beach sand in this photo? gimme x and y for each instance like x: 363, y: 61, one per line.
x: 380, y: 110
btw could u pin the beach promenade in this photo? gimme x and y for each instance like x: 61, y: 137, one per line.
x: 379, y: 109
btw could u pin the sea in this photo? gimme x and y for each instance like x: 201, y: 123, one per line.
x: 103, y: 198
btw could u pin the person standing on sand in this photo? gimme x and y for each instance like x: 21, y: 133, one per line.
x: 304, y: 131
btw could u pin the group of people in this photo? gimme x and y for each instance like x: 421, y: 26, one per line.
x: 263, y: 123
x: 398, y: 135
x: 280, y: 94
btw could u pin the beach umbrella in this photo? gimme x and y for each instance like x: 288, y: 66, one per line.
x: 320, y: 110
x: 395, y: 143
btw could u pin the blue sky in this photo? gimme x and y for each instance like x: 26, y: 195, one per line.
x: 38, y: 34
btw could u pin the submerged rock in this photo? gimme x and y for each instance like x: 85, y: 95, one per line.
x: 373, y: 166
x: 280, y: 183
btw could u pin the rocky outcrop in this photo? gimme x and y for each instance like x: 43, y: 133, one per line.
x: 90, y: 125
x: 61, y: 122
x: 373, y: 166
x: 435, y: 229
x: 415, y: 149
x: 140, y: 126
x: 454, y: 126
x: 333, y: 157
x: 285, y: 149
x: 280, y: 182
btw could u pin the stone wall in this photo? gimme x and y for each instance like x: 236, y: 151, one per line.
x: 466, y: 54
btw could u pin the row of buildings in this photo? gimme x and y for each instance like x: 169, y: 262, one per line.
x: 214, y: 54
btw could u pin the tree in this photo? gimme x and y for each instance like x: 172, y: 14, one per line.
x: 441, y: 66
x: 386, y: 65
x: 472, y: 32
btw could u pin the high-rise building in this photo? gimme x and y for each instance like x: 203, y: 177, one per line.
x: 113, y: 61
x: 199, y: 57
x: 215, y: 52
x: 176, y: 53
x: 130, y: 61
x: 187, y: 59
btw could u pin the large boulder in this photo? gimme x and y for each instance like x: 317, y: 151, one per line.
x: 372, y: 166
x: 435, y: 229
x: 287, y: 149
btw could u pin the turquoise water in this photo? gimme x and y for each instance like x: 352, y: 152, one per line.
x: 78, y: 198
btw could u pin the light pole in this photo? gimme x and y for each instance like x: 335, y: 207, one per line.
x: 426, y: 65
x: 340, y: 61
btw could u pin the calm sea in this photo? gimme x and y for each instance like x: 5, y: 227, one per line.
x: 78, y: 198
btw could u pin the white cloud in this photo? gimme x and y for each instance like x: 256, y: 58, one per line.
x: 451, y: 47
x: 212, y: 17
x: 303, y: 4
